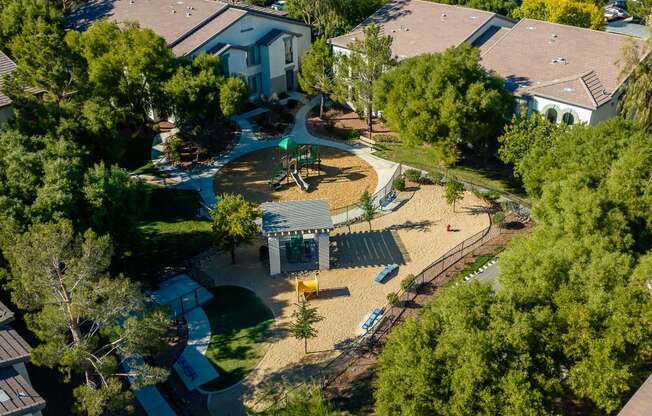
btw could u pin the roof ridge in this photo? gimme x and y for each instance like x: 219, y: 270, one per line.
x: 559, y: 80
x: 201, y: 24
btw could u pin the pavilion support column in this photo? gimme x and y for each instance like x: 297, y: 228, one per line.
x: 323, y: 248
x: 274, y: 255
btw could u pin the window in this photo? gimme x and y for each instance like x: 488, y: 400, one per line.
x: 289, y: 56
x: 551, y: 115
x: 568, y: 119
x: 253, y: 55
x: 289, y: 79
x: 253, y: 83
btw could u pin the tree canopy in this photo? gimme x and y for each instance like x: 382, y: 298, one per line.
x: 234, y: 222
x: 332, y: 17
x: 444, y: 99
x: 571, y: 320
x: 316, y: 72
x: 568, y: 12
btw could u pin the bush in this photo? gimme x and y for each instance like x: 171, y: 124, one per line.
x: 392, y: 298
x: 385, y: 138
x: 287, y: 118
x: 498, y: 217
x: 437, y: 177
x: 413, y: 175
x: 352, y: 134
x: 407, y: 282
x: 399, y: 184
x: 490, y: 195
x: 174, y: 147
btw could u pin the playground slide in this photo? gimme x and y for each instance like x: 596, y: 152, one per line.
x: 299, y: 181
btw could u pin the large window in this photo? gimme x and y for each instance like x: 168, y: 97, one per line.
x: 568, y: 119
x: 253, y: 55
x: 289, y: 56
x: 551, y: 115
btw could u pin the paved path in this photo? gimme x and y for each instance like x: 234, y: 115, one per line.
x: 199, y: 335
x: 202, y: 179
x: 490, y: 276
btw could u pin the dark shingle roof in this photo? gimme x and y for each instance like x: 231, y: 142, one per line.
x: 17, y: 397
x: 296, y: 216
x: 13, y: 347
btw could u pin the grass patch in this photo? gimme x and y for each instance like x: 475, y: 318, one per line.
x: 150, y: 169
x: 240, y: 324
x: 428, y: 158
x: 169, y: 233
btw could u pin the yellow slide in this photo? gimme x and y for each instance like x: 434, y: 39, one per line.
x: 307, y: 286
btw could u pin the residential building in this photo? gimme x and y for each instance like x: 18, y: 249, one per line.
x: 7, y: 66
x: 17, y: 397
x: 262, y: 45
x: 641, y: 402
x: 568, y: 73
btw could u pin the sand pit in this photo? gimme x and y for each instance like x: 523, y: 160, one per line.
x: 341, y: 182
x: 412, y: 236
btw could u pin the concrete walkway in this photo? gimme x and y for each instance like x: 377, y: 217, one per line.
x: 193, y: 367
x: 202, y: 179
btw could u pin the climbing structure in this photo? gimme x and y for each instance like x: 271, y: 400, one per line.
x: 293, y: 160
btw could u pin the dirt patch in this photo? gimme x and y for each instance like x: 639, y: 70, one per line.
x: 341, y: 181
x: 342, y: 123
x: 188, y: 150
x: 276, y: 122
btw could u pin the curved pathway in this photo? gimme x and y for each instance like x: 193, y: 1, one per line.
x: 202, y: 180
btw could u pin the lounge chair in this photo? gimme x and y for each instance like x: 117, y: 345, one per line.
x: 372, y: 319
x: 385, y: 273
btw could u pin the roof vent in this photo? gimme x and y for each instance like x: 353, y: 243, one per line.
x: 188, y: 14
x: 4, y: 397
x: 569, y: 89
x: 173, y: 11
x: 179, y: 2
x: 474, y: 17
x: 530, y: 28
x: 131, y: 1
x: 443, y: 17
x: 560, y: 60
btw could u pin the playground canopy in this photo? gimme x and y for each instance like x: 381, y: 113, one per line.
x: 296, y: 217
x: 287, y: 143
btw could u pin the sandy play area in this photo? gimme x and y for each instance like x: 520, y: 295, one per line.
x: 341, y: 182
x: 413, y: 236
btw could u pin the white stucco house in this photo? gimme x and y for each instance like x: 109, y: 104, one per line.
x: 568, y: 73
x: 262, y: 45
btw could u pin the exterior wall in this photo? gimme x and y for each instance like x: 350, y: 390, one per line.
x: 499, y: 21
x: 277, y: 65
x: 246, y: 33
x: 541, y: 105
x: 6, y: 113
x: 606, y: 111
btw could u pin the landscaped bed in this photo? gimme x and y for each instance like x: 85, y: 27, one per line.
x: 240, y: 323
x: 339, y: 122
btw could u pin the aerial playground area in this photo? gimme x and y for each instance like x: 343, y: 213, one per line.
x: 291, y: 172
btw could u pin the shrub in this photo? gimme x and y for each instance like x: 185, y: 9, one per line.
x: 437, y: 177
x: 287, y: 118
x: 498, y: 217
x: 392, y: 298
x: 413, y: 175
x: 490, y: 195
x: 174, y: 147
x: 407, y: 282
x: 352, y: 134
x: 399, y: 184
x: 385, y: 138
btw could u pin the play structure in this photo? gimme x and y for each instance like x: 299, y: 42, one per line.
x: 294, y: 159
x: 298, y: 235
x: 304, y: 287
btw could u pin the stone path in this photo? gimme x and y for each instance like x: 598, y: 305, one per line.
x: 201, y: 179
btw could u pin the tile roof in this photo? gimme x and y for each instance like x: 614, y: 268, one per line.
x: 17, y: 397
x: 13, y: 347
x: 296, y: 216
x: 7, y: 66
x: 574, y: 65
x: 6, y: 314
x: 641, y: 402
x: 184, y: 24
x: 419, y: 27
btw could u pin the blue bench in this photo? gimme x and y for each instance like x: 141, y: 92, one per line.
x: 372, y: 318
x: 385, y: 273
x: 187, y: 368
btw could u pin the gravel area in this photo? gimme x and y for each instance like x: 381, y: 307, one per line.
x: 412, y: 236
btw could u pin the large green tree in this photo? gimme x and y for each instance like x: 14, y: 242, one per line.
x: 358, y: 71
x: 568, y: 12
x: 571, y: 321
x: 445, y: 99
x: 234, y: 222
x: 332, y: 17
x: 316, y: 73
x: 87, y: 321
x: 15, y: 14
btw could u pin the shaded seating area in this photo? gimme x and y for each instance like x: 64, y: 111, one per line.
x: 368, y: 248
x: 298, y: 235
x: 385, y: 273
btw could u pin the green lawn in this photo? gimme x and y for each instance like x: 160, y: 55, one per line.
x: 168, y: 234
x: 428, y: 158
x: 239, y: 323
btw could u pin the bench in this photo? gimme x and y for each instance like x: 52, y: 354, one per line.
x: 385, y: 272
x: 187, y: 368
x: 372, y: 319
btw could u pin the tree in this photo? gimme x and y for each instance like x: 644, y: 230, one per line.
x: 303, y: 401
x: 324, y: 15
x: 358, y: 71
x: 445, y: 99
x: 316, y: 73
x: 504, y: 7
x: 366, y: 204
x: 305, y: 317
x: 454, y: 192
x: 527, y: 135
x: 16, y: 14
x: 234, y: 222
x: 233, y: 96
x: 568, y: 12
x: 87, y: 321
x: 636, y: 103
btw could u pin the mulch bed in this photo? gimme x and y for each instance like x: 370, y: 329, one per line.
x: 202, y: 148
x: 339, y: 121
x: 276, y: 122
